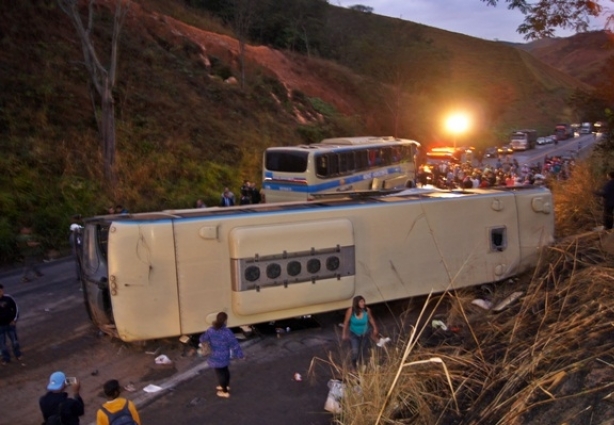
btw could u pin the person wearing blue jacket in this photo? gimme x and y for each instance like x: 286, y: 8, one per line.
x: 221, y: 340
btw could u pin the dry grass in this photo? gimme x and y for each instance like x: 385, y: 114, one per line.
x: 547, y: 358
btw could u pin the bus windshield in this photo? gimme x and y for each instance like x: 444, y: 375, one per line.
x: 286, y: 161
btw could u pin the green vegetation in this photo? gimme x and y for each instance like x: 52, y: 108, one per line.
x: 184, y: 133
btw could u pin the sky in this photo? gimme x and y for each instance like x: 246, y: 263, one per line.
x: 471, y: 17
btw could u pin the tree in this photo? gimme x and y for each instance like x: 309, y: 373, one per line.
x: 361, y: 8
x: 242, y: 19
x: 544, y: 16
x: 102, y: 78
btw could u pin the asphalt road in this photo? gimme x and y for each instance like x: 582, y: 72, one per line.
x: 56, y: 334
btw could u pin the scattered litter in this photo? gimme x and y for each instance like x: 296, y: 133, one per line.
x: 486, y: 305
x: 130, y: 387
x: 155, y: 352
x: 438, y: 324
x: 95, y: 372
x: 383, y: 341
x: 335, y: 393
x: 298, y: 377
x: 163, y: 359
x: 184, y: 339
x: 204, y: 349
x: 151, y: 388
x: 507, y: 301
x: 47, y: 310
x: 195, y: 401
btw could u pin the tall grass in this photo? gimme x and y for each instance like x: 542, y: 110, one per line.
x: 528, y: 363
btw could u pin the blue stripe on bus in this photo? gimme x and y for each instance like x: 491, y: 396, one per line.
x: 327, y: 185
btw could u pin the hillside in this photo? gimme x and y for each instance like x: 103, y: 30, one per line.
x: 582, y: 56
x: 185, y: 130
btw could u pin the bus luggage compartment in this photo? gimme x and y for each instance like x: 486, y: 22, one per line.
x: 301, y: 264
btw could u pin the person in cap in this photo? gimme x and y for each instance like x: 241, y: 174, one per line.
x: 57, y: 402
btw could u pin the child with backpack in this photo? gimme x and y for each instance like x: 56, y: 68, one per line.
x: 118, y: 410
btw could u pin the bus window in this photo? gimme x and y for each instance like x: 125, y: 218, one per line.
x: 386, y: 156
x: 322, y: 165
x: 498, y: 239
x: 333, y: 164
x: 362, y: 160
x: 374, y: 157
x: 327, y: 165
x: 346, y: 162
x: 286, y: 161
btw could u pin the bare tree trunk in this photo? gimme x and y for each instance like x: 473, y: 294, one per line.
x: 107, y: 133
x: 243, y: 16
x: 102, y: 79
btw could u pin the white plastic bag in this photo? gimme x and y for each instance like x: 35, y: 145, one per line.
x: 335, y: 393
x: 163, y: 359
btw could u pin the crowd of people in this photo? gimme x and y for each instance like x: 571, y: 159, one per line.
x: 250, y: 194
x: 505, y: 172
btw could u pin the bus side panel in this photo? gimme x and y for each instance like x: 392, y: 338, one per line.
x: 142, y: 279
x: 536, y: 224
x: 203, y: 271
x: 434, y: 245
x: 272, y: 265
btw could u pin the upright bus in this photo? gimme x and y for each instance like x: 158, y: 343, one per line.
x: 168, y: 273
x: 293, y: 173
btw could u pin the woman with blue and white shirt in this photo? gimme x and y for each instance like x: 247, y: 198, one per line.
x: 356, y: 326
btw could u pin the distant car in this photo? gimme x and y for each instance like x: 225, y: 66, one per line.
x: 551, y: 139
x: 542, y: 141
x: 505, y: 150
x: 490, y: 152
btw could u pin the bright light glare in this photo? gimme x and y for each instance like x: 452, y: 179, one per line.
x: 457, y: 123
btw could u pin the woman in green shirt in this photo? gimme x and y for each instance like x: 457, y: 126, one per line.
x: 356, y: 328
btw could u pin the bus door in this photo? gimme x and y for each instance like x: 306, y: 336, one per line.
x: 143, y: 279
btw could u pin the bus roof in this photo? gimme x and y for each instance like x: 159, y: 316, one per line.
x: 348, y: 143
x: 359, y: 141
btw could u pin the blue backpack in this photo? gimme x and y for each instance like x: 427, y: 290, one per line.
x: 121, y: 417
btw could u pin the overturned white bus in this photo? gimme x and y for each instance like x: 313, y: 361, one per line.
x: 163, y: 274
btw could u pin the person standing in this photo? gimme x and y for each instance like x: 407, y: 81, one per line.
x: 117, y: 407
x: 74, y: 238
x: 57, y: 403
x: 607, y: 193
x: 31, y: 251
x: 356, y: 324
x: 9, y: 313
x: 228, y: 198
x: 221, y: 340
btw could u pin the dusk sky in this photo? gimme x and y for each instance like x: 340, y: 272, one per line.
x: 471, y: 17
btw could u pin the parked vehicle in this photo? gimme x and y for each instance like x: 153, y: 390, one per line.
x: 505, y: 150
x: 490, y: 152
x: 563, y: 132
x: 523, y: 140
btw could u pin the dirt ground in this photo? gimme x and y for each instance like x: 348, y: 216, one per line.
x: 56, y: 334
